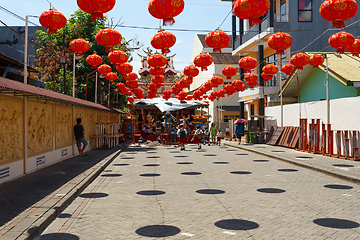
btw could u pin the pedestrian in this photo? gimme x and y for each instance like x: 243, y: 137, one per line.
x: 213, y: 132
x: 218, y: 137
x: 198, y: 136
x: 80, y: 137
x: 182, y: 136
x: 227, y: 132
x: 207, y: 136
x: 239, y: 131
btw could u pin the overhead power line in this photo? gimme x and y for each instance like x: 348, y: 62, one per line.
x: 17, y: 16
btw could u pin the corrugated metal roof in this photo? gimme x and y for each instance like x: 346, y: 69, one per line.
x: 7, y: 84
x: 224, y: 58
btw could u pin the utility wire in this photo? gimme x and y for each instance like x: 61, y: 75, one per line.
x: 17, y: 16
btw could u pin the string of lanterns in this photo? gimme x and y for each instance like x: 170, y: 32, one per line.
x: 336, y: 11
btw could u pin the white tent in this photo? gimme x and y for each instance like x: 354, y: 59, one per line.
x: 172, y: 104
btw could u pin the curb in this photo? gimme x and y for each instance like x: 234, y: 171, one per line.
x: 47, y: 217
x: 317, y: 169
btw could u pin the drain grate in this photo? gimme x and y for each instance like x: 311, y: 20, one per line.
x: 4, y: 173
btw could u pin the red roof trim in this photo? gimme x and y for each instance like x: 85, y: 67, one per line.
x: 36, y: 91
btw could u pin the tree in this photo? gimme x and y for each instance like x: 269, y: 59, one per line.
x: 79, y: 25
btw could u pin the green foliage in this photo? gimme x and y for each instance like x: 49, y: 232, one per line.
x: 79, y: 25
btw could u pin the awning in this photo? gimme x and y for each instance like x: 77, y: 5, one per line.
x: 172, y: 104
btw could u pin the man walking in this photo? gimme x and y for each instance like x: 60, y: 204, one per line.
x: 80, y: 137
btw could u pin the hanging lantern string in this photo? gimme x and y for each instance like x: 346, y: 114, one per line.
x: 224, y: 19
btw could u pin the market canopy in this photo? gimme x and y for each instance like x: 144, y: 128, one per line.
x: 171, y: 104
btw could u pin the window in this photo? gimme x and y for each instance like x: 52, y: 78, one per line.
x: 283, y: 15
x: 305, y: 10
x: 273, y: 59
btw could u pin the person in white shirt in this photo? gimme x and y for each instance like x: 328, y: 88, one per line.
x: 218, y: 137
x: 182, y: 136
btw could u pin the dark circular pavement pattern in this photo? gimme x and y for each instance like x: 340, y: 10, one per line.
x: 111, y: 175
x: 93, y: 195
x: 343, y: 165
x: 236, y: 224
x: 336, y: 223
x: 210, y: 191
x: 210, y: 155
x: 240, y: 172
x: 220, y: 162
x: 158, y: 231
x: 287, y: 170
x: 121, y: 164
x: 153, y: 157
x: 150, y: 192
x: 260, y: 160
x: 270, y: 190
x: 149, y: 175
x: 338, y: 186
x: 151, y: 165
x: 127, y: 158
x: 191, y: 173
x: 242, y: 154
x: 184, y: 163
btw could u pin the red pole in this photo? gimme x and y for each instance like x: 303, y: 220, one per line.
x: 338, y: 143
x: 346, y: 144
x: 323, y: 140
x: 356, y: 155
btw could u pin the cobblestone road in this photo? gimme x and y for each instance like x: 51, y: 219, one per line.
x: 216, y: 193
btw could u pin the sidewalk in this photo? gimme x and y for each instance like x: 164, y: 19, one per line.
x: 28, y: 204
x: 340, y: 168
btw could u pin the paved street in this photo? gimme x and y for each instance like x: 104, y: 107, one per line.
x: 219, y: 192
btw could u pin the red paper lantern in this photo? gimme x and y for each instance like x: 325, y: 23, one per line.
x: 104, y: 69
x: 187, y: 81
x: 221, y: 92
x: 203, y: 61
x: 157, y: 71
x: 280, y: 41
x: 191, y: 71
x: 299, y: 60
x: 229, y: 71
x: 208, y: 85
x: 270, y: 69
x: 341, y: 41
x: 111, y: 76
x: 130, y: 99
x: 266, y: 77
x: 96, y: 7
x: 216, y: 80
x: 217, y: 39
x: 229, y: 88
x: 132, y: 84
x: 163, y: 40
x: 79, y: 46
x: 248, y: 63
x: 130, y: 76
x: 158, y: 79
x: 53, y: 20
x: 251, y: 9
x: 124, y: 68
x: 109, y: 38
x: 117, y: 57
x: 94, y: 60
x: 157, y: 60
x: 239, y: 85
x: 316, y: 60
x: 355, y: 48
x: 288, y: 69
x: 166, y: 10
x: 338, y: 11
x: 251, y: 80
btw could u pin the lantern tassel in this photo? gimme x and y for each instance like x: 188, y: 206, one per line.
x: 281, y: 52
x: 204, y: 69
x: 254, y: 21
x: 165, y: 50
x: 97, y: 16
x: 168, y: 21
x: 108, y: 49
x: 338, y: 24
x: 340, y: 50
x: 217, y: 50
x: 52, y: 31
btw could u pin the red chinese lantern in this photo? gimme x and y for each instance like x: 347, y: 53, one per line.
x: 109, y: 38
x: 221, y: 93
x: 104, y: 69
x: 182, y: 95
x: 270, y: 69
x: 117, y: 57
x: 341, y: 41
x: 239, y: 85
x: 157, y: 60
x: 130, y: 76
x: 132, y: 84
x: 217, y: 39
x: 53, y: 20
x: 166, y: 10
x: 251, y: 9
x: 216, y: 80
x: 299, y: 60
x: 166, y: 94
x: 229, y: 88
x: 157, y: 71
x: 355, y: 48
x: 124, y: 68
x: 251, y: 80
x: 316, y: 60
x: 158, y: 79
x: 203, y: 61
x: 79, y: 46
x: 266, y: 77
x: 96, y: 7
x: 94, y: 60
x: 163, y: 40
x: 229, y: 71
x: 187, y: 81
x: 111, y: 76
x: 338, y: 11
x: 208, y: 85
x: 191, y: 71
x: 280, y: 41
x: 288, y: 69
x: 130, y: 99
x: 248, y: 63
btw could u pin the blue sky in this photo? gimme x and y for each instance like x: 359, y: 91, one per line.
x: 205, y: 15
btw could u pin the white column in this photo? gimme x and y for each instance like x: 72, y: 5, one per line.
x: 73, y: 83
x: 26, y: 48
